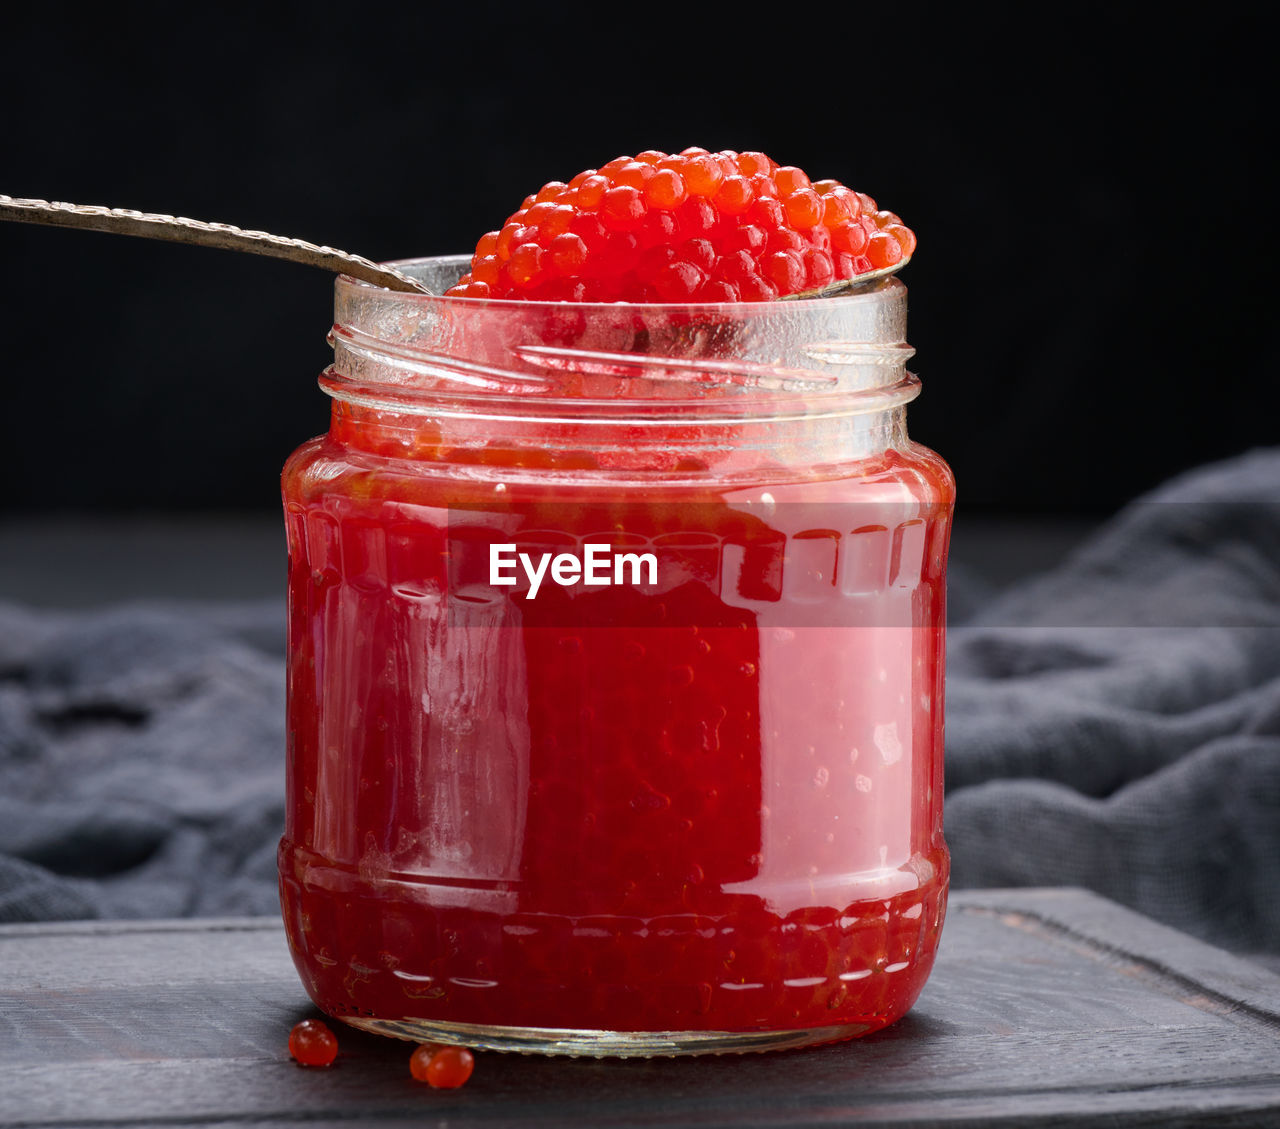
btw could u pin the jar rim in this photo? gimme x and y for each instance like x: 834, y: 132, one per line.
x: 423, y: 268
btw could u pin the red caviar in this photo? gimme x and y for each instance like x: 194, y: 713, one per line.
x: 442, y: 1068
x: 731, y: 823
x: 311, y: 1043
x: 669, y: 228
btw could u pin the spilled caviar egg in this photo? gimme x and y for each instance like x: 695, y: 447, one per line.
x: 442, y: 1068
x: 311, y: 1043
x: 685, y: 227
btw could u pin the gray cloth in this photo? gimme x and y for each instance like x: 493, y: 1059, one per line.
x: 1113, y: 724
x: 141, y: 761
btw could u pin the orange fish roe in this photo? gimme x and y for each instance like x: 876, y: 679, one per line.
x: 693, y: 226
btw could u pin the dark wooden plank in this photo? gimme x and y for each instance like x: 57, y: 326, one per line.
x: 1047, y: 1008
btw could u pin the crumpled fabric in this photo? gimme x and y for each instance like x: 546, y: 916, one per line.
x: 1113, y: 723
x: 141, y: 761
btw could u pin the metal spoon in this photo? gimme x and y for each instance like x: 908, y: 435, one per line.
x: 180, y: 229
x: 849, y: 285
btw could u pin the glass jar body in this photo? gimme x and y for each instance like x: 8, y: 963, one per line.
x: 697, y: 810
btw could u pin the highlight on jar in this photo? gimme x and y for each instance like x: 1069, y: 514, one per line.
x: 616, y: 629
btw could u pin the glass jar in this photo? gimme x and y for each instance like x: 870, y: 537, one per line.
x: 694, y: 805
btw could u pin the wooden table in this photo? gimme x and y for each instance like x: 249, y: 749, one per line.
x: 1047, y: 1007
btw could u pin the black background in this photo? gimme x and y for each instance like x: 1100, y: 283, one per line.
x: 1093, y: 190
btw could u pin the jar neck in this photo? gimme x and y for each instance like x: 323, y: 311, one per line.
x: 809, y: 435
x: 649, y: 389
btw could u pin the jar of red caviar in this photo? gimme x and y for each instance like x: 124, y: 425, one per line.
x: 616, y: 674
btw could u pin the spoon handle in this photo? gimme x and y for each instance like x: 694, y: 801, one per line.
x: 179, y: 229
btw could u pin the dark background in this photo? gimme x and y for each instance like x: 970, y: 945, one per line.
x: 1093, y: 191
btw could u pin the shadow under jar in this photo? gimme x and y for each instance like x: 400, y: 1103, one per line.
x: 693, y: 806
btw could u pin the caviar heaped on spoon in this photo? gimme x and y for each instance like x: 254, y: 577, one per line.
x: 692, y: 226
